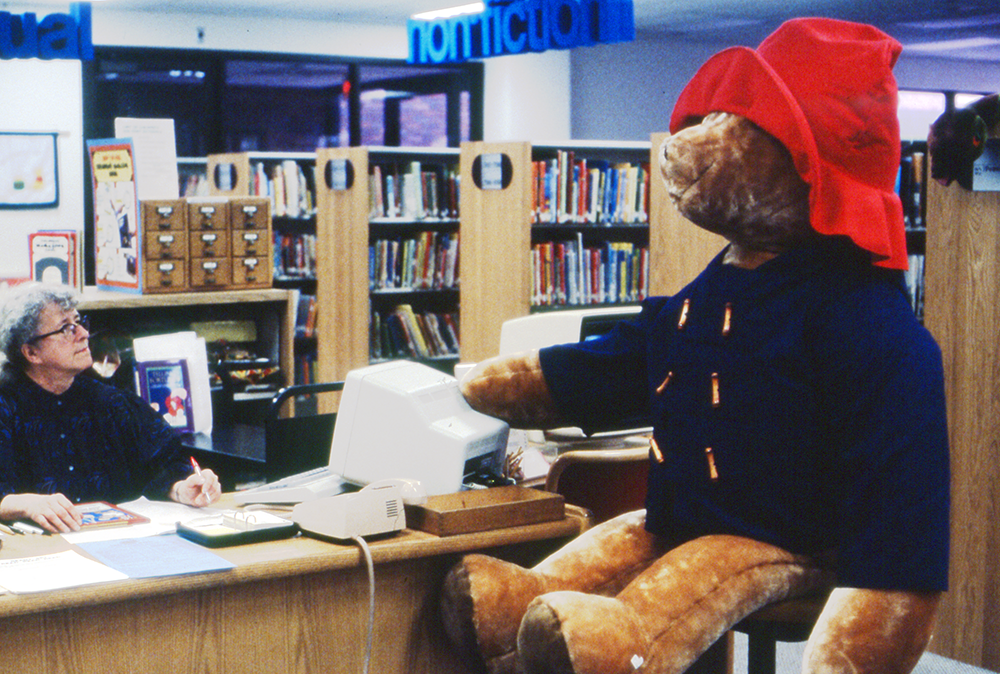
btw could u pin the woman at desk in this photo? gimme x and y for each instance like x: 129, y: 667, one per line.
x: 67, y: 439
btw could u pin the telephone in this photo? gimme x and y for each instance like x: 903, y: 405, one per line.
x: 375, y: 509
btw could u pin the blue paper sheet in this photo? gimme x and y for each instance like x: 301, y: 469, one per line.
x: 155, y: 556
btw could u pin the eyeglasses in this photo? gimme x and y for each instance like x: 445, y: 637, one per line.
x: 67, y: 331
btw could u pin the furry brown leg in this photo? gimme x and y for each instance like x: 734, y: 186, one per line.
x: 871, y: 632
x: 484, y: 598
x: 669, y: 615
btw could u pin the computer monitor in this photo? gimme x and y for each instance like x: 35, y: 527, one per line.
x: 560, y: 327
x: 405, y: 419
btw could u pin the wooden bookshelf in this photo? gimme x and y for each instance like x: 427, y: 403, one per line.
x: 346, y: 226
x: 292, y: 242
x: 497, y: 237
x: 496, y: 249
x: 961, y: 311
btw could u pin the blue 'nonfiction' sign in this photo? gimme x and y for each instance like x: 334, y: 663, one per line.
x: 518, y: 26
x: 56, y: 36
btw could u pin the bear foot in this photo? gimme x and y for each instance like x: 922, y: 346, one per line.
x: 576, y: 633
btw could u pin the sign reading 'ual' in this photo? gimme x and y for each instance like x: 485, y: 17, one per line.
x: 56, y: 36
x: 519, y: 26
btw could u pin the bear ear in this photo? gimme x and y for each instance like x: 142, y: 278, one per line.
x: 988, y: 108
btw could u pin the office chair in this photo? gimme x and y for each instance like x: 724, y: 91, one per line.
x: 301, y: 441
x: 609, y: 482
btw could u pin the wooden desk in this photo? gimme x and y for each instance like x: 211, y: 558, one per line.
x: 298, y: 605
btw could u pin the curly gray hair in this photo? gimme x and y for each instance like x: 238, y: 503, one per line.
x: 19, y: 316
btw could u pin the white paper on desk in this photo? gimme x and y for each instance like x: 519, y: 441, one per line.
x: 163, y: 518
x: 156, y: 556
x: 54, y: 572
x: 189, y: 346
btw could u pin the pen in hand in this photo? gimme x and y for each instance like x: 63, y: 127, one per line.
x: 197, y: 469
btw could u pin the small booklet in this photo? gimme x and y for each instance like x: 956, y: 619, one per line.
x: 103, y: 514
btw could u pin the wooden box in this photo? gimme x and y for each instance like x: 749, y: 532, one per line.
x: 166, y: 245
x: 164, y: 214
x: 213, y: 243
x: 484, y: 509
x: 250, y: 243
x: 208, y: 214
x: 164, y: 276
x: 210, y: 274
x: 252, y: 272
x: 249, y: 213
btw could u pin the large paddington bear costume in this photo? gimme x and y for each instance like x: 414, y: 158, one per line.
x: 799, y: 437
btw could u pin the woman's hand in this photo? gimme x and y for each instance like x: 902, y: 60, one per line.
x: 197, y: 490
x: 52, y: 512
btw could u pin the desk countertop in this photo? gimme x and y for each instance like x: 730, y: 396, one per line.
x: 260, y: 561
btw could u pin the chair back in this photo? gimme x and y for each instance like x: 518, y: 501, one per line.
x: 608, y: 482
x: 301, y: 441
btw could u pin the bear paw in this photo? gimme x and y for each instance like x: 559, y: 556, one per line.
x: 482, y: 603
x: 577, y: 633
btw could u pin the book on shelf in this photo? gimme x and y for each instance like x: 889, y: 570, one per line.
x: 194, y: 184
x: 305, y: 368
x: 914, y: 276
x: 294, y: 255
x: 911, y: 189
x: 305, y: 316
x: 569, y: 273
x: 426, y: 261
x: 287, y: 186
x: 565, y: 189
x: 413, y: 191
x: 404, y: 332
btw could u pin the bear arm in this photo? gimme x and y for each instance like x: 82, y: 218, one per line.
x: 512, y: 388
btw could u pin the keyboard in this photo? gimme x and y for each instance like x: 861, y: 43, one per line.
x: 311, y: 484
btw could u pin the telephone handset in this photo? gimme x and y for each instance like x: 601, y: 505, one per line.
x: 375, y: 509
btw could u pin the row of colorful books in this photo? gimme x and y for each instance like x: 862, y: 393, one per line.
x: 412, y: 191
x: 566, y: 189
x: 405, y: 333
x: 569, y: 273
x: 292, y: 193
x: 427, y: 261
x: 294, y: 255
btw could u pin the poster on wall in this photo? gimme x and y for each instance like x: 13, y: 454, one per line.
x: 28, y: 170
x: 116, y: 215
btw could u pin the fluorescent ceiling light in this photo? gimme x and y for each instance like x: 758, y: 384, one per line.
x: 473, y: 8
x: 951, y: 45
x: 952, y: 23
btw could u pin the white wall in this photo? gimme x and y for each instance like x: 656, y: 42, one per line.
x: 626, y: 91
x: 46, y: 96
x: 527, y: 97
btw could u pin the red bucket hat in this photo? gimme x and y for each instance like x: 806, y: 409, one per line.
x: 825, y: 89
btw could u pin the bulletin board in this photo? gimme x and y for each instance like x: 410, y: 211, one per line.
x: 28, y: 170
